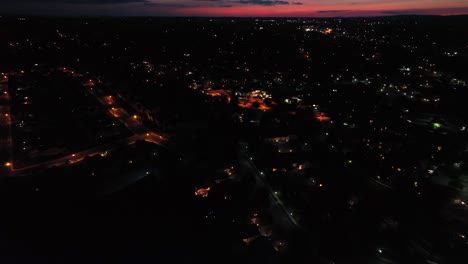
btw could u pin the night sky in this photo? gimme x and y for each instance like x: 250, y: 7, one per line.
x: 303, y: 8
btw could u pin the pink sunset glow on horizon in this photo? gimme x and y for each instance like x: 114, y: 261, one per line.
x: 310, y: 12
x: 237, y: 8
x: 335, y: 8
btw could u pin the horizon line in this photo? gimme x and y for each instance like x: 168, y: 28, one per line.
x: 211, y: 17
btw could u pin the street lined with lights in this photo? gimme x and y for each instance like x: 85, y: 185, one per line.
x: 132, y: 122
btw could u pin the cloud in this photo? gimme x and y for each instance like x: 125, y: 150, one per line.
x: 160, y: 4
x: 98, y: 2
x: 264, y: 2
x: 333, y: 11
x: 228, y: 3
x: 404, y: 12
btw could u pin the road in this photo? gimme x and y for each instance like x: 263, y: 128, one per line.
x: 381, y: 183
x: 77, y: 157
x: 131, y: 122
x: 281, y: 213
x: 4, y: 120
x: 6, y: 143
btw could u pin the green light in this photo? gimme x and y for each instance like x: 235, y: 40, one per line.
x: 437, y: 125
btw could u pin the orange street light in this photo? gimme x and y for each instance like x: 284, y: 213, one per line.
x: 8, y: 164
x: 135, y: 116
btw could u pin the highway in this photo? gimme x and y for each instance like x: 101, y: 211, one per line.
x: 133, y: 123
x: 77, y: 157
x: 6, y: 143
